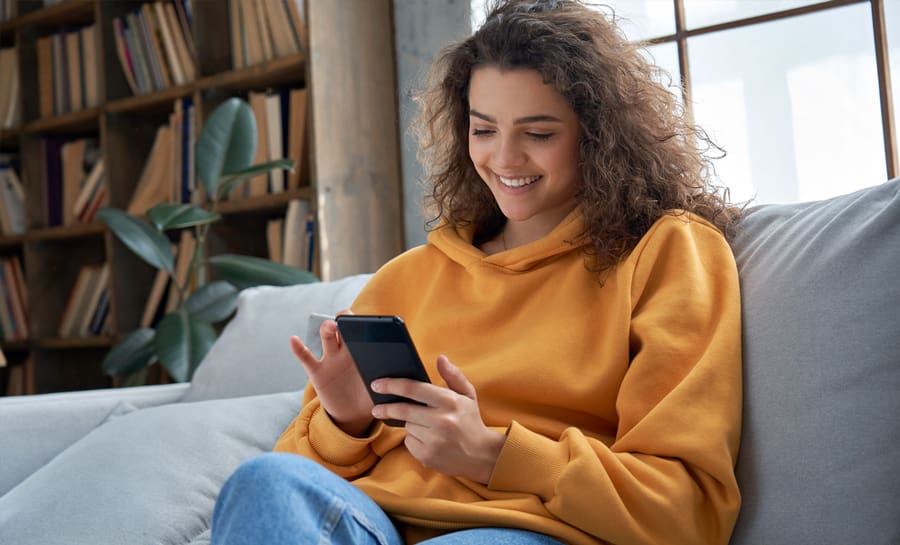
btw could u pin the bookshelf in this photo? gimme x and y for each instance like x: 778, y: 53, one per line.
x: 351, y: 173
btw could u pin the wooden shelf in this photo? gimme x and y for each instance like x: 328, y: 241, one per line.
x: 7, y: 241
x: 82, y: 120
x: 74, y: 342
x: 263, y: 202
x: 68, y: 12
x: 289, y: 69
x: 79, y: 230
x: 14, y: 346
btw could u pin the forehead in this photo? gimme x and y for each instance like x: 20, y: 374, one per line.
x: 515, y: 93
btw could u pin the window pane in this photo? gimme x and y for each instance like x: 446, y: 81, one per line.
x: 638, y: 19
x: 699, y: 13
x: 644, y: 19
x: 794, y: 103
x: 665, y: 56
x: 892, y: 22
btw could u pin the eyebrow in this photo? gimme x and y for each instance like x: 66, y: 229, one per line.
x: 521, y: 120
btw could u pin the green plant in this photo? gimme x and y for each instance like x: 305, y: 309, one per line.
x: 224, y: 156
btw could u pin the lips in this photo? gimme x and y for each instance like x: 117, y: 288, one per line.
x: 518, y: 182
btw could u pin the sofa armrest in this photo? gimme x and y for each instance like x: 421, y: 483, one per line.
x: 34, y: 429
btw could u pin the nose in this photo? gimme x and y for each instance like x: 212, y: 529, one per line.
x: 509, y: 153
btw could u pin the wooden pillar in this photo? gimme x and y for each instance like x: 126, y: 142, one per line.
x: 355, y: 166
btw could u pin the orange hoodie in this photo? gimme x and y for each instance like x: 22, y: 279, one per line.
x: 621, y: 402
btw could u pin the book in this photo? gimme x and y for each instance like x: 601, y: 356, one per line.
x: 14, y: 296
x: 259, y: 184
x: 274, y: 135
x: 275, y: 239
x: 182, y: 45
x: 296, y: 146
x: 295, y: 251
x: 169, y: 44
x: 125, y: 60
x: 76, y: 303
x: 72, y: 159
x: 99, y: 285
x: 154, y: 185
x: 73, y: 62
x: 44, y: 50
x: 89, y: 189
x: 156, y: 47
x: 295, y: 9
x: 90, y: 64
x: 12, y: 205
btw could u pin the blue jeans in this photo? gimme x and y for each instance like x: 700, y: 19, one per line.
x: 277, y: 499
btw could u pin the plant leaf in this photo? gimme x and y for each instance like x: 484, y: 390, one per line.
x: 133, y: 353
x: 181, y: 342
x: 227, y: 142
x: 149, y: 244
x: 213, y: 302
x: 246, y: 271
x: 176, y: 216
x: 231, y: 180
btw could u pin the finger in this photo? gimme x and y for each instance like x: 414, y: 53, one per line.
x: 331, y: 341
x: 423, y: 392
x: 302, y: 353
x: 410, y: 413
x: 454, y: 377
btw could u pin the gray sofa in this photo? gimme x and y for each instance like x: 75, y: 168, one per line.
x: 819, y: 462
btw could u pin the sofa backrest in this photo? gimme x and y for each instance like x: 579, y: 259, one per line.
x: 821, y: 312
x: 820, y: 285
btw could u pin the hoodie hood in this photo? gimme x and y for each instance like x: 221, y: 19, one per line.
x: 456, y: 244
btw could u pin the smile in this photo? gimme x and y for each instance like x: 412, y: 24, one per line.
x: 518, y: 182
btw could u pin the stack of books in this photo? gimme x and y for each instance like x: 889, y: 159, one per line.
x: 13, y: 300
x: 154, y: 46
x: 87, y: 307
x: 291, y: 240
x: 67, y: 64
x: 12, y: 198
x: 72, y: 175
x: 169, y: 173
x: 281, y: 126
x: 262, y: 30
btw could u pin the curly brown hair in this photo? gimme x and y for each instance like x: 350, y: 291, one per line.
x: 640, y: 155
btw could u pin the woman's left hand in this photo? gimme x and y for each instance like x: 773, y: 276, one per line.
x: 447, y: 434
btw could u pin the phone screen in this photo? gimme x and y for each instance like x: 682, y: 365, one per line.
x: 381, y: 347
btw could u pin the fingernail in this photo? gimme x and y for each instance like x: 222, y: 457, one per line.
x: 377, y: 385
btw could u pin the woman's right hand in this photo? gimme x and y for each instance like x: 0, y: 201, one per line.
x: 336, y: 381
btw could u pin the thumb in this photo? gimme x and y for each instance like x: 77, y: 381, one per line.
x: 331, y: 340
x: 455, y: 378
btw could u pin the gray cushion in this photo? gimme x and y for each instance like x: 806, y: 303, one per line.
x: 821, y: 309
x: 252, y: 356
x: 151, y: 476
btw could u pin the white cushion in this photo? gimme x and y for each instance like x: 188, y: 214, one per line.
x: 252, y: 356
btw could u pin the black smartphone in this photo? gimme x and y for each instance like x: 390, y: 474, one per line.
x: 381, y: 347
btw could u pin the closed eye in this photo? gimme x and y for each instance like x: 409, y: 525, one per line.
x: 481, y: 132
x: 540, y: 135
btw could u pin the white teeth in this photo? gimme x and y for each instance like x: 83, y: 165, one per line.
x: 517, y: 182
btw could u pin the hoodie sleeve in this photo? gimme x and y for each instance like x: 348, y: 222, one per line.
x: 668, y: 476
x: 314, y: 435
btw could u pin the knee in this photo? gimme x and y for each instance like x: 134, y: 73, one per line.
x: 265, y: 473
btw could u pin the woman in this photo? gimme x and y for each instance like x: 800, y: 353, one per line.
x: 576, y: 306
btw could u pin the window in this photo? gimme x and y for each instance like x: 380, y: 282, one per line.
x: 797, y: 92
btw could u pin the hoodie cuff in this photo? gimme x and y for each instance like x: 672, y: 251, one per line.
x: 334, y: 445
x: 528, y: 462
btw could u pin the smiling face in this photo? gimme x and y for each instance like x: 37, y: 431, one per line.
x: 523, y: 141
